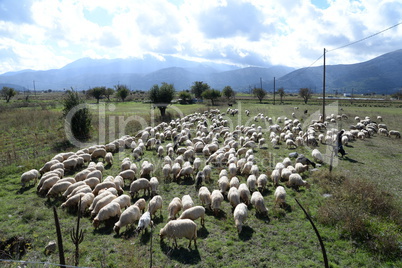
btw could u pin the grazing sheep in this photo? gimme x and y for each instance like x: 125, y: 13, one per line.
x: 155, y: 204
x: 128, y: 217
x: 92, y: 182
x: 58, y: 188
x: 234, y: 197
x: 252, y: 182
x: 103, y: 185
x: 72, y: 201
x: 144, y: 221
x: 31, y: 175
x: 395, y: 133
x: 128, y: 174
x: 86, y: 201
x: 186, y: 171
x: 99, y: 197
x: 46, y: 167
x: 154, y: 183
x: 82, y: 175
x: 178, y: 229
x: 216, y: 201
x: 205, y: 196
x: 48, y: 183
x: 290, y: 144
x: 257, y: 200
x: 123, y: 200
x: 95, y: 173
x: 317, y: 156
x: 193, y: 214
x: 262, y: 182
x: 98, y: 153
x: 141, y: 203
x: 140, y: 184
x: 234, y: 182
x: 109, y: 211
x: 166, y: 170
x: 187, y: 202
x: 280, y: 196
x: 109, y: 159
x: 244, y: 193
x: 207, y: 172
x: 224, y: 185
x: 240, y: 215
x: 295, y: 181
x: 174, y: 207
x: 383, y: 131
x: 101, y: 203
x: 300, y: 168
x: 81, y: 189
x: 275, y: 177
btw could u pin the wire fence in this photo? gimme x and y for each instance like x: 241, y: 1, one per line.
x: 33, y: 264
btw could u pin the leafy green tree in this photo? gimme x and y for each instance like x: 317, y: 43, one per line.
x: 281, y: 92
x: 162, y: 96
x: 96, y: 92
x: 397, y: 95
x: 198, y: 87
x: 109, y: 92
x: 80, y: 123
x: 259, y: 93
x: 305, y: 93
x: 211, y: 94
x: 185, y: 97
x: 8, y: 93
x: 122, y: 91
x: 228, y: 92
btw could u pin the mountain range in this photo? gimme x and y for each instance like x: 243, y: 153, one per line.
x: 381, y: 75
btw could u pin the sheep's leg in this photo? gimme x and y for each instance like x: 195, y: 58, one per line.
x: 202, y: 221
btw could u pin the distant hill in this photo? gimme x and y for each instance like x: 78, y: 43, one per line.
x: 379, y: 75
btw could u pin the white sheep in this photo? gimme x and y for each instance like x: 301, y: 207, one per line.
x: 86, y: 201
x: 128, y: 174
x: 252, y: 182
x: 101, y: 203
x: 103, y: 185
x: 109, y: 159
x: 295, y: 181
x: 98, y: 153
x: 99, y: 197
x: 155, y: 204
x: 140, y: 184
x: 92, y: 182
x: 174, y: 207
x: 280, y: 196
x: 317, y: 156
x: 166, y: 170
x: 257, y: 200
x: 216, y: 201
x: 194, y: 213
x: 82, y: 175
x: 275, y: 177
x: 262, y: 182
x: 123, y: 200
x: 46, y: 167
x: 128, y: 217
x: 109, y: 211
x: 205, y: 196
x: 300, y: 168
x: 207, y: 172
x: 244, y: 193
x: 187, y: 202
x: 234, y: 196
x: 178, y: 229
x: 141, y: 203
x: 28, y: 176
x: 58, y: 188
x: 234, y: 182
x: 72, y: 201
x: 240, y: 215
x: 81, y: 189
x: 154, y: 183
x: 48, y: 183
x: 144, y: 221
x: 224, y: 185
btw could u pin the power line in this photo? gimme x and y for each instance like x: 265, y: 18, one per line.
x: 365, y: 38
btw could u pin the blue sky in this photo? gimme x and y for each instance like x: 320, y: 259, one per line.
x: 46, y: 34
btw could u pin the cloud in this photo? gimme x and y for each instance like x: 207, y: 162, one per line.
x: 16, y: 11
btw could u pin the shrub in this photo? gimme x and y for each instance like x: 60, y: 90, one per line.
x: 80, y: 124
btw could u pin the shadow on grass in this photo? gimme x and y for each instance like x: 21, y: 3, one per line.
x: 246, y: 233
x: 350, y: 160
x: 202, y: 232
x: 106, y: 227
x: 262, y: 217
x: 62, y: 146
x: 24, y: 189
x: 181, y: 254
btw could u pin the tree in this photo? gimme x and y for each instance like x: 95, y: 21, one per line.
x: 228, y: 92
x: 162, y: 96
x: 96, y: 92
x: 397, y: 95
x: 259, y: 93
x: 305, y: 93
x: 198, y: 87
x: 122, y: 91
x: 109, y: 92
x: 281, y: 92
x: 80, y: 123
x: 8, y: 93
x: 211, y: 94
x: 185, y: 97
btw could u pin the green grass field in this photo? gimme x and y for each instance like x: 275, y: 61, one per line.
x: 360, y: 223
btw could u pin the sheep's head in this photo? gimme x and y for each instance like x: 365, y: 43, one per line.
x: 116, y: 229
x: 96, y: 223
x: 239, y: 226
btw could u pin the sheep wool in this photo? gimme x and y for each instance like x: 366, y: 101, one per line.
x: 128, y: 217
x: 257, y: 200
x: 86, y: 201
x: 187, y: 202
x: 280, y: 195
x: 110, y: 210
x: 31, y: 175
x: 123, y: 200
x: 244, y: 193
x: 240, y: 215
x: 141, y: 203
x: 155, y: 204
x: 216, y: 200
x: 140, y: 184
x: 179, y: 229
x: 205, y: 196
x: 234, y: 197
x: 174, y: 207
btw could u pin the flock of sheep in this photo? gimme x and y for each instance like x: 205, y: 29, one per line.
x: 190, y: 148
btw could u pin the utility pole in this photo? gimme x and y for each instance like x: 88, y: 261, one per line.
x: 274, y: 90
x: 34, y: 87
x: 261, y: 82
x: 323, y: 90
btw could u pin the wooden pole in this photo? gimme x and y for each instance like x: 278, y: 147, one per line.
x: 323, y: 90
x: 274, y: 90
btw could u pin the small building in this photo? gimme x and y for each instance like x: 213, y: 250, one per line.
x: 347, y: 95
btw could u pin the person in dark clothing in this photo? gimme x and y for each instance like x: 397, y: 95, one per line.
x: 339, y: 145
